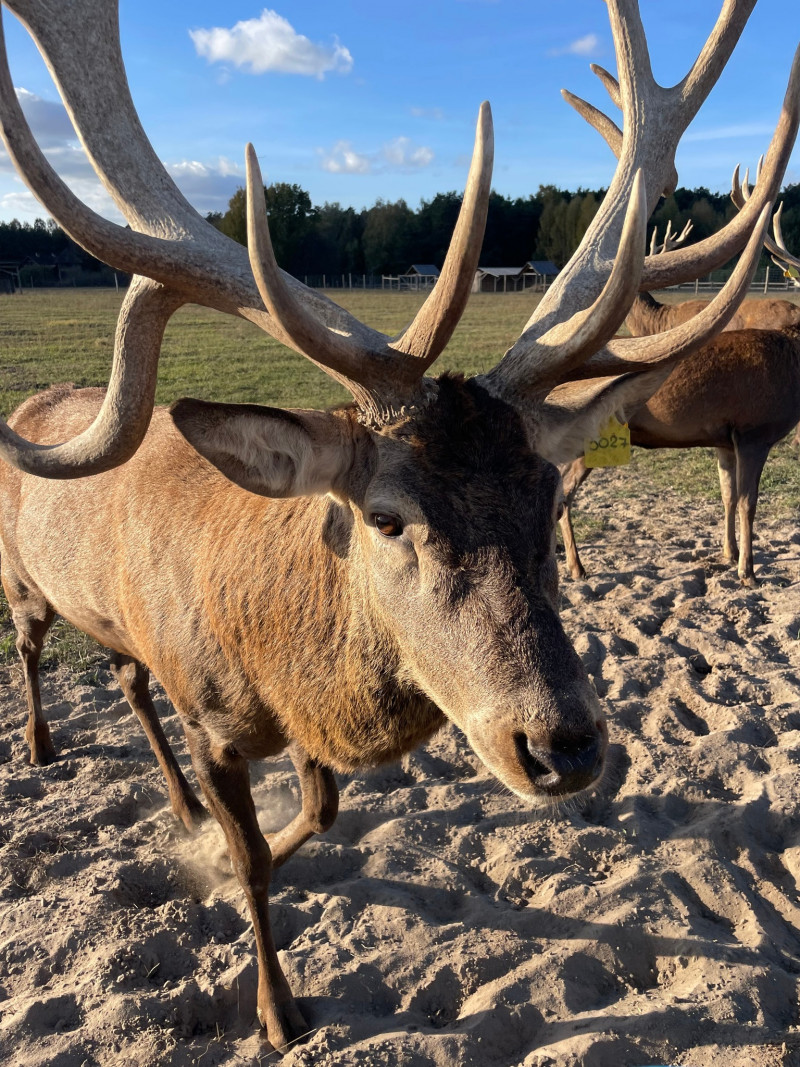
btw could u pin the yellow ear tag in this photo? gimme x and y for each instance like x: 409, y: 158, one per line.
x: 791, y: 272
x: 611, y: 447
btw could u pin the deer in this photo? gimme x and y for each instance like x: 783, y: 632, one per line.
x: 648, y: 315
x: 336, y: 584
x: 740, y: 394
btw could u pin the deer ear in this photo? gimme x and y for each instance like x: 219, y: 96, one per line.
x: 270, y: 451
x: 574, y: 411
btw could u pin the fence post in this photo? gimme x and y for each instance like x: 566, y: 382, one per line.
x: 696, y: 286
x: 766, y: 280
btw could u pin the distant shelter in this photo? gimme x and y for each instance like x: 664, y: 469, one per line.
x: 418, y: 276
x: 535, y: 275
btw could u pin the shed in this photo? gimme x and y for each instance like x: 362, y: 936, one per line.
x: 535, y: 274
x: 418, y: 276
x: 543, y: 272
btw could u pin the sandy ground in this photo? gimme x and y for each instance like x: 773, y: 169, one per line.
x: 440, y: 922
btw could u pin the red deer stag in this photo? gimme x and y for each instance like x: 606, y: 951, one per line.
x: 648, y: 315
x: 340, y: 582
x: 739, y: 395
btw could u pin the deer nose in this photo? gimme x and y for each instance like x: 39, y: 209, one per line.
x: 566, y: 766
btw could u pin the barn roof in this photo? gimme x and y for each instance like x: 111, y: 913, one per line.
x: 542, y: 266
x: 499, y: 272
x: 424, y: 268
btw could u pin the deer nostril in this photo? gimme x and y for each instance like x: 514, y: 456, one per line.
x: 532, y: 759
x: 566, y: 767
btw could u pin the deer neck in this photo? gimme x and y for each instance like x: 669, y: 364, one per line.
x: 646, y: 316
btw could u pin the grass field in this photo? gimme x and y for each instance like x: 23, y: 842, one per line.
x: 49, y: 336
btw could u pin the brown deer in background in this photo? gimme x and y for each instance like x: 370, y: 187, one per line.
x: 337, y: 582
x: 648, y: 315
x: 739, y: 395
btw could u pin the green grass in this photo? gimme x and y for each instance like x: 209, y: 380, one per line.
x: 51, y: 336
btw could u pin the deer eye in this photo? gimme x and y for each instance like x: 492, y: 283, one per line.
x: 388, y: 525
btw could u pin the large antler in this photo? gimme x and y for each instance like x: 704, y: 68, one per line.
x: 171, y: 244
x: 654, y: 119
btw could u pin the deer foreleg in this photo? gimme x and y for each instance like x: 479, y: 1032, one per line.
x: 320, y: 800
x: 133, y: 678
x: 573, y: 475
x: 750, y: 460
x: 32, y: 617
x: 224, y: 778
x: 726, y: 464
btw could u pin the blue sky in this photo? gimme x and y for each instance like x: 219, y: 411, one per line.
x: 360, y: 100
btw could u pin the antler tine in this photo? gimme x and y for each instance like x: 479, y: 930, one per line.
x: 646, y: 144
x: 382, y: 367
x: 610, y: 83
x: 426, y: 337
x: 623, y: 354
x: 606, y: 127
x: 170, y: 243
x: 671, y: 238
x: 778, y: 246
x: 716, y: 52
x: 295, y: 325
x: 684, y: 264
x: 127, y: 407
x: 542, y: 363
x: 740, y: 195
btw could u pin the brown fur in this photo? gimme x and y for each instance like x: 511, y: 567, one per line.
x: 740, y: 394
x: 648, y: 316
x: 275, y: 622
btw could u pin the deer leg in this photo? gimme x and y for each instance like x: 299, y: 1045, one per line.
x: 133, y: 678
x: 573, y: 475
x: 726, y: 464
x: 32, y: 617
x: 320, y: 806
x: 224, y: 778
x: 750, y: 460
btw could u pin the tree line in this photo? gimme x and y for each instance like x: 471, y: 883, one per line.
x: 389, y: 236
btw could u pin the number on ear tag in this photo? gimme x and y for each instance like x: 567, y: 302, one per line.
x: 611, y: 447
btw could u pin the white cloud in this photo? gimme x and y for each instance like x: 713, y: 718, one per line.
x: 48, y: 119
x: 583, y: 46
x: 402, y: 155
x: 343, y: 159
x: 399, y: 154
x: 207, y: 186
x: 271, y: 43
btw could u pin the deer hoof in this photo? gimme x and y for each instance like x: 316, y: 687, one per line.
x: 284, y: 1024
x: 42, y: 752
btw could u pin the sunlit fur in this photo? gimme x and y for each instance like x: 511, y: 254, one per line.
x: 270, y: 620
x: 648, y: 315
x: 295, y: 621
